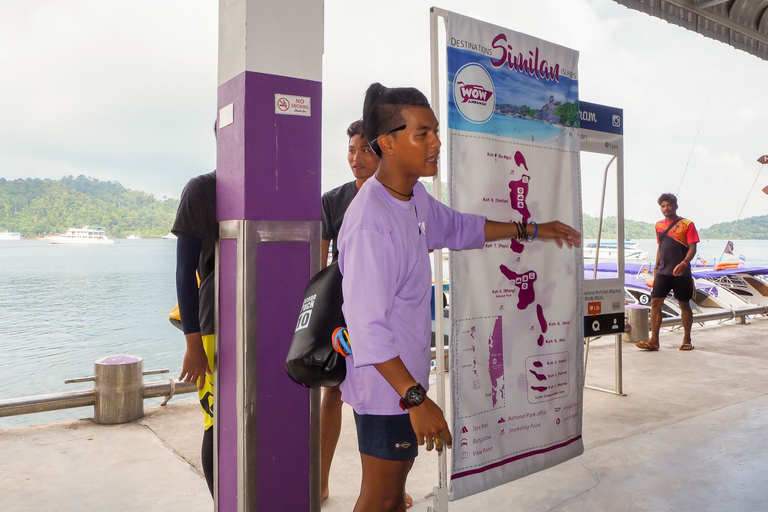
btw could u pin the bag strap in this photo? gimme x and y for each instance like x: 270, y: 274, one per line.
x: 661, y: 237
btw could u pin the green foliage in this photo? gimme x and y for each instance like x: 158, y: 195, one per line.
x: 632, y: 228
x: 568, y: 113
x: 753, y: 228
x: 37, y: 207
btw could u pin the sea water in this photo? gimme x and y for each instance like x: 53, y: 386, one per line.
x: 64, y: 306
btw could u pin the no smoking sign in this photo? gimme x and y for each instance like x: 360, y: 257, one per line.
x: 289, y: 105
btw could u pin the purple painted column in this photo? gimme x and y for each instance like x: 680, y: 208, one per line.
x: 268, y: 206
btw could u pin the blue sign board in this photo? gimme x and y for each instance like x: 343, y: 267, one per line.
x: 601, y: 118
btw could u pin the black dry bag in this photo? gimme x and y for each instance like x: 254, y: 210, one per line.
x: 312, y: 360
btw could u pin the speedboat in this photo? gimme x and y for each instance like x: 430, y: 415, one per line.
x: 609, y: 251
x: 750, y: 283
x: 638, y: 279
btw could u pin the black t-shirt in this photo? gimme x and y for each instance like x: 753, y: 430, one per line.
x: 335, y: 204
x: 197, y: 216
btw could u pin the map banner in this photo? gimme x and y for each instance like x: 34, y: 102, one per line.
x: 516, y: 313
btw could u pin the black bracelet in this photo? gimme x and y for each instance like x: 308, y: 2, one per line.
x: 519, y: 226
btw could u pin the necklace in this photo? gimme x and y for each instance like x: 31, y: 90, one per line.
x: 396, y: 192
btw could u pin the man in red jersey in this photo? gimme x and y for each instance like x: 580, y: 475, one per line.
x: 677, y: 238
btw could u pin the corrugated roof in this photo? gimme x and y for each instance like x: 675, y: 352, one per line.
x: 742, y: 24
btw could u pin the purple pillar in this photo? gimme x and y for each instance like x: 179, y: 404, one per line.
x: 268, y: 206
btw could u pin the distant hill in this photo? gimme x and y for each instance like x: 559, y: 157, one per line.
x: 752, y: 228
x: 632, y: 228
x: 38, y: 207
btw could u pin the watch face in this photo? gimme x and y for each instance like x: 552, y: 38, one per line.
x: 415, y: 396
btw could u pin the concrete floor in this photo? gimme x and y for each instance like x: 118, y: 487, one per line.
x: 688, y: 436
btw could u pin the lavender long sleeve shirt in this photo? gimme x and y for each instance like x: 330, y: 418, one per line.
x: 384, y: 257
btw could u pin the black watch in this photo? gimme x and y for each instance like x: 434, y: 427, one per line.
x: 413, y: 397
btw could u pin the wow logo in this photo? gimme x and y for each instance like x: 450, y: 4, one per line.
x: 473, y: 93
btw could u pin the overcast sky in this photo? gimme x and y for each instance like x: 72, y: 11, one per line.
x: 126, y: 91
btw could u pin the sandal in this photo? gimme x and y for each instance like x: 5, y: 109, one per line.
x: 645, y: 346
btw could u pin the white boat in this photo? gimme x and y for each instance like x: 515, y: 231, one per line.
x: 609, y: 251
x: 9, y: 235
x: 134, y: 237
x: 84, y: 235
x: 169, y: 236
x: 749, y: 283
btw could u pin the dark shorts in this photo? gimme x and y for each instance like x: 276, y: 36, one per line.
x: 682, y: 285
x: 386, y: 437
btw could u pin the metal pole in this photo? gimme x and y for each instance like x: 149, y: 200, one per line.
x: 618, y: 370
x: 49, y: 402
x: 600, y: 224
x: 724, y: 315
x: 440, y: 498
x: 163, y: 388
x: 83, y: 398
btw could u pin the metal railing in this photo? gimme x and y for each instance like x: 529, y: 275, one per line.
x: 729, y: 314
x: 117, y: 397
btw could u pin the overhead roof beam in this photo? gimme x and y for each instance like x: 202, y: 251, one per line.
x: 750, y: 35
x: 711, y: 3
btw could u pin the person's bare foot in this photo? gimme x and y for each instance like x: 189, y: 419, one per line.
x: 324, y: 493
x: 408, y: 501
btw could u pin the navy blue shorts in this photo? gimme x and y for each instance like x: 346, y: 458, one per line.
x: 682, y: 285
x: 386, y: 437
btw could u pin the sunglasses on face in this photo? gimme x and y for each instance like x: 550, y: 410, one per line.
x: 375, y: 142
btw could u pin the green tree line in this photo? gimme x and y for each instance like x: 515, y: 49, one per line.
x: 752, y: 228
x: 37, y: 207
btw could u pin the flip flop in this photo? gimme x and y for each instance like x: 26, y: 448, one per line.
x: 685, y: 347
x: 645, y: 346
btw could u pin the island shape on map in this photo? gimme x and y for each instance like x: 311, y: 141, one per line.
x: 518, y: 193
x: 524, y: 282
x: 496, y: 362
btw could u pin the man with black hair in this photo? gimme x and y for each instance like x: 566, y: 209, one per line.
x: 384, y: 246
x: 677, y: 238
x: 363, y: 162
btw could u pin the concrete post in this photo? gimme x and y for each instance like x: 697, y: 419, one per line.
x: 268, y: 207
x: 119, y: 389
x: 639, y: 320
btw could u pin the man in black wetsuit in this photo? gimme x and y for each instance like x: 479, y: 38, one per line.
x: 197, y: 232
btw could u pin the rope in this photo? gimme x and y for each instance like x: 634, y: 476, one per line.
x: 745, y: 202
x: 692, y: 148
x: 170, y: 395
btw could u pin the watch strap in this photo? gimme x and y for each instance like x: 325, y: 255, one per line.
x: 407, y: 403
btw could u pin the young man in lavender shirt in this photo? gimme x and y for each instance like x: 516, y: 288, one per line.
x: 384, y: 242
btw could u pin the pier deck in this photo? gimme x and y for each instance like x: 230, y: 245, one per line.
x: 689, y: 436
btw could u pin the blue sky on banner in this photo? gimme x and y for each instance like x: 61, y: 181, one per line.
x: 514, y: 88
x: 126, y: 91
